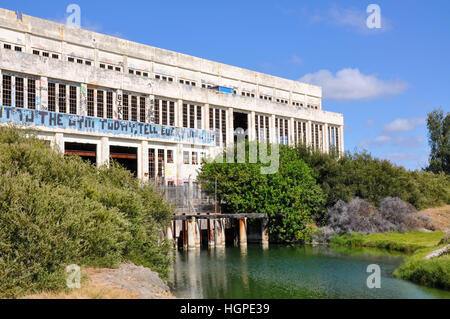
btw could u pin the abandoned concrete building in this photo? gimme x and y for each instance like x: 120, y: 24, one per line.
x: 157, y: 112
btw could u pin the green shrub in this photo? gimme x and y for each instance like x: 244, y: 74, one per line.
x: 56, y: 211
x: 361, y: 175
x: 290, y: 197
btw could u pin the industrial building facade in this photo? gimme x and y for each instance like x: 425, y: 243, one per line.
x: 156, y: 111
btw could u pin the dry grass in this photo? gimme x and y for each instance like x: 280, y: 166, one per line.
x: 440, y: 216
x: 92, y: 287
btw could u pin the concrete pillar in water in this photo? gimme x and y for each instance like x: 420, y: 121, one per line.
x: 191, y: 233
x: 264, y: 233
x: 185, y: 235
x: 242, y: 232
x: 219, y: 233
x: 175, y: 234
x: 197, y: 233
x: 211, y: 236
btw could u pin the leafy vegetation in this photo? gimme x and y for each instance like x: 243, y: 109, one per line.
x: 361, y: 175
x: 290, y: 197
x: 434, y: 272
x: 56, y: 211
x: 438, y: 124
x: 404, y: 242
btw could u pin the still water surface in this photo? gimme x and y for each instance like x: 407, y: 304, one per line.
x: 290, y: 272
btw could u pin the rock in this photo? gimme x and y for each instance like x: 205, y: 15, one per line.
x: 439, y: 252
x: 137, y: 279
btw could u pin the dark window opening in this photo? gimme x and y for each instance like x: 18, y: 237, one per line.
x: 125, y: 156
x: 87, y: 152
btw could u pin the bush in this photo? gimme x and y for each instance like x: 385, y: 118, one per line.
x: 357, y: 216
x: 361, y: 175
x: 403, y: 215
x: 56, y: 211
x: 290, y: 197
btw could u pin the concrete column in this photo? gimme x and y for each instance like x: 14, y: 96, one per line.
x: 252, y: 127
x: 185, y: 234
x: 211, y: 236
x: 174, y: 234
x: 103, y: 152
x: 291, y: 132
x: 191, y: 233
x: 326, y: 141
x: 143, y: 161
x: 230, y: 126
x: 341, y: 137
x: 83, y: 99
x: 273, y: 132
x: 179, y: 115
x: 264, y: 233
x: 242, y: 231
x: 309, y: 134
x: 206, y: 117
x: 219, y: 233
x: 118, y: 112
x: 58, y: 142
x: 197, y: 233
x: 43, y: 89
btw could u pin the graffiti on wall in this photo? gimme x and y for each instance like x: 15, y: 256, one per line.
x: 86, y: 124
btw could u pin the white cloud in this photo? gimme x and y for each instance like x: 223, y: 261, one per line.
x: 404, y: 125
x: 370, y: 122
x: 351, y: 84
x: 408, y: 142
x: 401, y: 157
x: 379, y: 140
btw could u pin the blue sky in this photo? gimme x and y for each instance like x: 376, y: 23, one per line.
x: 385, y: 81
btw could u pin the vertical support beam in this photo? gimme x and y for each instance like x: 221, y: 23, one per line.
x: 252, y: 127
x: 179, y: 114
x: 273, y: 132
x: 211, y: 236
x: 175, y: 234
x: 206, y: 117
x: 143, y: 162
x: 264, y: 233
x: 197, y: 233
x: 341, y: 134
x: 43, y: 86
x: 191, y: 233
x: 309, y: 134
x: 242, y: 232
x: 83, y: 99
x: 219, y: 233
x: 185, y: 234
x: 291, y: 132
x: 326, y: 141
x: 58, y: 143
x: 103, y: 152
x: 230, y: 126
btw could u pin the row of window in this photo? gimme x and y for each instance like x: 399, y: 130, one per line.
x: 146, y: 74
x: 193, y: 158
x: 65, y: 97
x: 21, y: 89
x: 45, y: 54
x: 157, y: 158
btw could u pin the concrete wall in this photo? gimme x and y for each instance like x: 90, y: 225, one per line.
x: 34, y: 34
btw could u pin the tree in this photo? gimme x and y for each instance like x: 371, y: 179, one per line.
x: 290, y: 197
x: 438, y: 124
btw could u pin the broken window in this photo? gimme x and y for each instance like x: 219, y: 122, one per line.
x: 19, y: 92
x: 90, y: 102
x: 31, y: 93
x: 100, y: 103
x: 52, y: 97
x: 7, y: 90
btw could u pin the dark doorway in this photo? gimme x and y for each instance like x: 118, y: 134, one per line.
x: 240, y: 120
x: 87, y: 152
x: 125, y: 156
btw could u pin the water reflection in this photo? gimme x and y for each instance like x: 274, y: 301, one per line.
x: 289, y: 272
